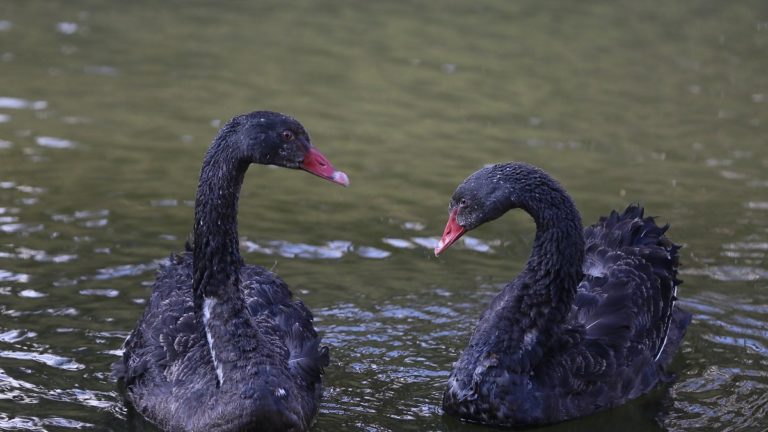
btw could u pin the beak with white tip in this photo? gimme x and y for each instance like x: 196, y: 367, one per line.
x: 319, y: 165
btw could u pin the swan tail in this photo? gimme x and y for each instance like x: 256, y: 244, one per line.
x: 630, y: 286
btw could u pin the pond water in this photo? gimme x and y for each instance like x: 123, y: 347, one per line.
x: 107, y: 107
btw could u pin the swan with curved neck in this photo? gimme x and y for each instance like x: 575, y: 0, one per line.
x: 589, y: 323
x: 223, y: 346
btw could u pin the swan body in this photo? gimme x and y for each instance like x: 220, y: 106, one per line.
x: 589, y: 324
x: 223, y: 346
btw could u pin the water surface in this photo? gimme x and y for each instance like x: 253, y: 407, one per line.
x: 107, y: 107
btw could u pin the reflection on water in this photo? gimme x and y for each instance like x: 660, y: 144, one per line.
x: 730, y: 273
x: 336, y: 249
x: 102, y: 129
x: 37, y: 255
x: 47, y: 359
x: 38, y: 424
x: 732, y: 394
x: 6, y: 276
x: 53, y: 142
x: 17, y: 103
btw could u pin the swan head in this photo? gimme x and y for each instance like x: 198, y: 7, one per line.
x: 271, y: 138
x: 488, y: 194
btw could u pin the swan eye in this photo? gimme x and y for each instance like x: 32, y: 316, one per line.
x: 287, y: 135
x: 463, y: 202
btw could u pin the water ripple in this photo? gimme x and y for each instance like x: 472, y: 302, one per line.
x: 739, y: 342
x: 21, y: 228
x: 21, y: 188
x: 7, y: 276
x: 66, y: 27
x: 413, y: 226
x: 168, y: 202
x: 60, y: 311
x: 399, y: 243
x: 426, y: 242
x: 47, y: 359
x: 30, y: 293
x: 334, y: 249
x: 477, y: 245
x: 12, y: 336
x: 747, y: 245
x: 25, y: 392
x: 723, y: 399
x: 372, y: 252
x: 18, y: 103
x: 392, y: 349
x: 729, y: 273
x: 110, y: 293
x: 467, y: 242
x: 127, y: 270
x: 35, y: 424
x: 86, y: 218
x: 53, y: 142
x: 82, y: 397
x: 37, y: 255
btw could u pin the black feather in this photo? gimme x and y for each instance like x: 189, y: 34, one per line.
x: 222, y: 346
x: 589, y: 324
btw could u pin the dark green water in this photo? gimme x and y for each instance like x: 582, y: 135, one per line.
x: 107, y: 107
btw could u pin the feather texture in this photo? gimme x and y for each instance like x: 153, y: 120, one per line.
x: 589, y: 324
x: 169, y: 372
x: 223, y: 346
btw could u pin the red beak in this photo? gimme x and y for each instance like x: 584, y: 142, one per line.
x: 317, y: 164
x: 453, y: 231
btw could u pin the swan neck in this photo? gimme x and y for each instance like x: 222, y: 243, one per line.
x: 554, y: 268
x: 216, y: 250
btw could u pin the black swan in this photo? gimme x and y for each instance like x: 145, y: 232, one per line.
x: 224, y: 346
x: 589, y: 324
